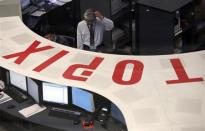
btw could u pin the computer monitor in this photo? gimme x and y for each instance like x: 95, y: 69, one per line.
x: 54, y: 93
x: 17, y: 80
x: 83, y: 99
x: 25, y: 3
x: 33, y: 89
x: 117, y: 114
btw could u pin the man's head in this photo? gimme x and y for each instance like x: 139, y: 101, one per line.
x: 89, y: 16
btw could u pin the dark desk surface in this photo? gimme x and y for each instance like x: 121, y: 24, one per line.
x: 166, y: 5
x: 44, y: 119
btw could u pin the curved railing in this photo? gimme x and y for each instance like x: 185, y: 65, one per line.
x: 154, y: 93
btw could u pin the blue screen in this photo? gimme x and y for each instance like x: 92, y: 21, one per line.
x: 117, y: 114
x: 83, y: 99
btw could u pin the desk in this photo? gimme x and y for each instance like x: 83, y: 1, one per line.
x: 150, y: 103
x: 43, y: 119
x: 51, y: 19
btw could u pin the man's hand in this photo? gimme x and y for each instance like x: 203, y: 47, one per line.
x: 99, y: 15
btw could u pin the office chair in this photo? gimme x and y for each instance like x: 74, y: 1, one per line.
x: 70, y: 41
x: 61, y: 39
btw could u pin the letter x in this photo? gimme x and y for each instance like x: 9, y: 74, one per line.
x: 21, y: 56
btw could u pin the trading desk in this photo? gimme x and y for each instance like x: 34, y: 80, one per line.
x: 154, y: 93
x: 43, y: 119
x: 36, y: 21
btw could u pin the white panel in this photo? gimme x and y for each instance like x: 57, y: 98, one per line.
x: 18, y: 80
x: 10, y: 8
x: 33, y: 89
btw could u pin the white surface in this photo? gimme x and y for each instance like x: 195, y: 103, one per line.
x: 33, y: 89
x: 55, y: 93
x: 31, y: 110
x: 58, y: 3
x: 10, y: 8
x: 38, y: 13
x: 18, y: 80
x: 148, y: 105
x: 5, y: 98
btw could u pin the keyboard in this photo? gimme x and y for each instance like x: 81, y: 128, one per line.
x: 64, y: 114
x: 30, y: 9
x: 16, y: 95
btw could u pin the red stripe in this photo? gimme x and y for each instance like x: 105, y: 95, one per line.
x: 50, y: 61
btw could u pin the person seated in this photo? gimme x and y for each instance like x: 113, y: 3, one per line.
x: 90, y: 30
x: 59, y: 39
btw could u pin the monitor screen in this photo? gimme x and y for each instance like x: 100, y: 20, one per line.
x: 25, y: 3
x: 33, y: 89
x: 83, y: 99
x: 55, y: 93
x: 18, y: 80
x: 116, y: 113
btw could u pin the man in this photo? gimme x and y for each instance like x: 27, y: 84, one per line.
x: 57, y: 38
x: 90, y: 31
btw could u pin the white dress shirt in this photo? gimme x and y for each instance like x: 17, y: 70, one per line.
x: 83, y: 33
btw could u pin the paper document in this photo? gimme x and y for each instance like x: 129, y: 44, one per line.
x: 31, y: 110
x: 38, y: 13
x: 4, y: 98
x: 58, y: 3
x: 65, y: 1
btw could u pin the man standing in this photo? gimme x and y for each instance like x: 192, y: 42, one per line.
x: 90, y: 30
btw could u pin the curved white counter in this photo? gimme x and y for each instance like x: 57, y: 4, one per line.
x: 154, y: 93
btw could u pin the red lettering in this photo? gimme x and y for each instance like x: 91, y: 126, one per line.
x: 120, y: 69
x: 31, y: 49
x: 181, y: 73
x: 50, y: 61
x: 68, y: 74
